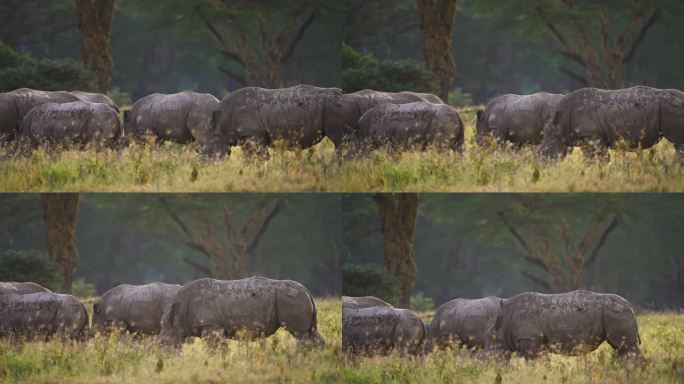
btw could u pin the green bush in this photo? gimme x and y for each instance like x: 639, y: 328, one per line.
x: 82, y: 288
x: 370, y: 280
x: 420, y: 302
x: 28, y: 265
x: 361, y: 71
x: 26, y: 71
x: 458, y: 98
x: 119, y: 97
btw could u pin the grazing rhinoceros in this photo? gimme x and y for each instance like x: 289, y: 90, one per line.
x: 252, y: 307
x: 42, y: 314
x: 96, y: 98
x: 134, y: 308
x: 300, y: 116
x: 11, y: 287
x: 180, y: 117
x: 16, y: 104
x: 519, y: 119
x: 414, y: 125
x: 72, y: 124
x: 381, y: 329
x: 570, y: 323
x: 597, y: 119
x: 363, y: 302
x: 463, y: 322
x: 354, y: 105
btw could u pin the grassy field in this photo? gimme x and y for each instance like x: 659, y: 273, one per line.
x: 108, y: 360
x: 662, y: 337
x: 177, y: 168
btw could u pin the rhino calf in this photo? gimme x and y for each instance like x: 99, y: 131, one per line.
x: 72, y: 124
x: 42, y: 314
x: 570, y: 323
x: 380, y: 328
x: 133, y: 308
x: 363, y: 302
x: 11, y: 287
x: 180, y: 117
x: 252, y: 307
x: 519, y: 119
x: 414, y: 125
x: 463, y: 322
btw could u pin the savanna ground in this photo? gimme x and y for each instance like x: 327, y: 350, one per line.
x: 114, y: 360
x: 662, y: 336
x: 177, y: 168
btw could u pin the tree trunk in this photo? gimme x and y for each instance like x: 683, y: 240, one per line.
x: 59, y: 212
x: 95, y: 19
x: 398, y: 218
x: 437, y: 22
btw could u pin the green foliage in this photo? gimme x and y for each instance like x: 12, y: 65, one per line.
x: 370, y: 280
x: 26, y: 71
x: 29, y: 265
x: 458, y: 98
x: 82, y: 288
x: 389, y: 75
x: 420, y: 302
x: 119, y: 97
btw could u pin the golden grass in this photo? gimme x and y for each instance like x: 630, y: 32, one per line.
x: 177, y: 168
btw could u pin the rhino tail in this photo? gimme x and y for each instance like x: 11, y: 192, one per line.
x: 314, y: 314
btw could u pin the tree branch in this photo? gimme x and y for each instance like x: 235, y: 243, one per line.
x: 640, y: 37
x: 602, y: 240
x: 300, y: 32
x: 264, y: 226
x: 198, y: 266
x: 523, y: 243
x: 537, y: 280
x: 575, y: 76
x: 239, y: 78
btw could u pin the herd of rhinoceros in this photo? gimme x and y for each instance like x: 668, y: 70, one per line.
x: 569, y: 323
x: 207, y: 308
x: 301, y: 116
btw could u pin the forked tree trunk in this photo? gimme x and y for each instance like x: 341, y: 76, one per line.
x: 437, y: 22
x: 95, y: 19
x: 398, y: 218
x: 59, y: 212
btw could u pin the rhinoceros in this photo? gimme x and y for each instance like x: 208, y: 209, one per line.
x: 363, y: 302
x: 72, y: 124
x: 597, y: 119
x: 11, y: 287
x: 381, y: 329
x: 180, y: 117
x: 414, y: 125
x: 570, y: 323
x: 133, y: 308
x: 96, y: 98
x: 300, y: 116
x: 16, y: 104
x: 42, y: 314
x: 519, y: 119
x: 252, y: 307
x: 463, y: 322
x: 354, y: 105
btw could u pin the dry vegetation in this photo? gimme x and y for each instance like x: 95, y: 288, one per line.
x: 110, y: 360
x: 178, y: 168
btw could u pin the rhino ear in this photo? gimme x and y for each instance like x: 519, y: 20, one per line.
x: 480, y: 115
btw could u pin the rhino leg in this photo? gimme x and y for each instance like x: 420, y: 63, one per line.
x: 596, y: 150
x: 622, y: 333
x: 679, y: 152
x: 255, y: 148
x: 213, y: 335
x: 529, y: 347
